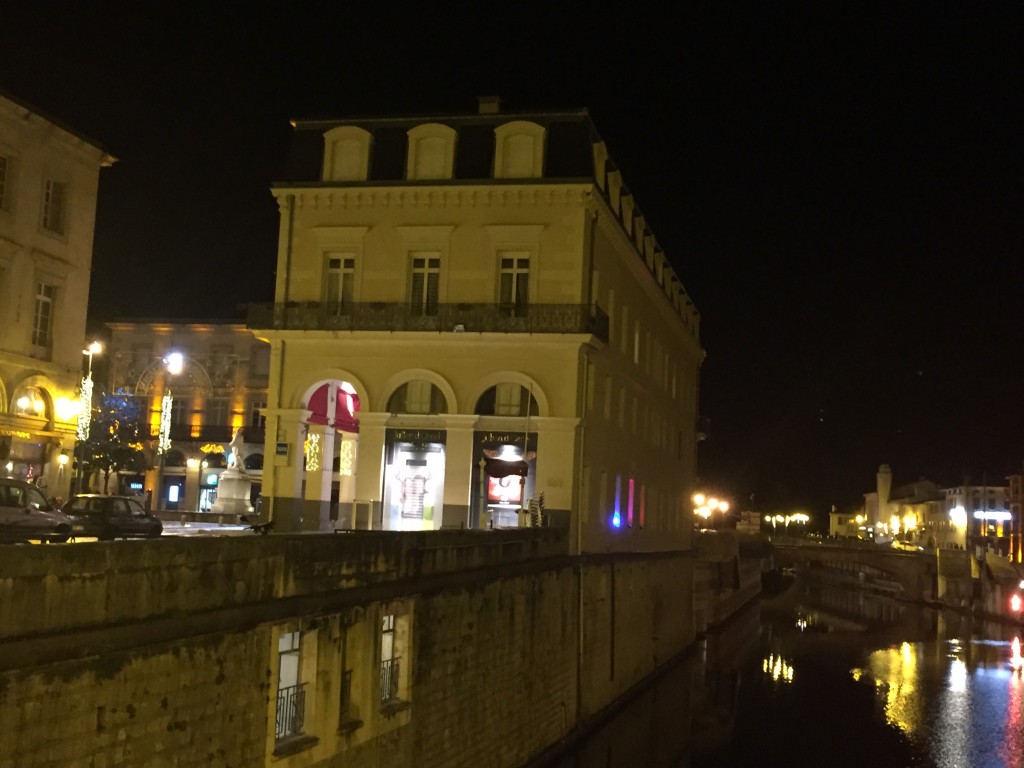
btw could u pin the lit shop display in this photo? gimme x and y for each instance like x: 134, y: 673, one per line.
x: 505, y: 476
x: 414, y: 480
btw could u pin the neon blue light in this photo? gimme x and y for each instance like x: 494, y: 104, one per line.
x: 616, y: 520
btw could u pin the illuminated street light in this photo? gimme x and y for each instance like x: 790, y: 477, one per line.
x: 85, y: 410
x: 705, y: 506
x: 174, y: 364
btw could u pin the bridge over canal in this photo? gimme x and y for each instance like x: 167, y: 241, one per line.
x: 905, y: 574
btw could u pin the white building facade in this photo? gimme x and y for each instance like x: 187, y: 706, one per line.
x: 473, y: 322
x: 49, y: 177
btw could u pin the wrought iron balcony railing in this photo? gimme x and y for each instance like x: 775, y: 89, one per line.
x: 470, y: 318
x: 389, y: 680
x: 291, y: 711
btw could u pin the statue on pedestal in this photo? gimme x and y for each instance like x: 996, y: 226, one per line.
x: 235, y: 483
x: 238, y: 451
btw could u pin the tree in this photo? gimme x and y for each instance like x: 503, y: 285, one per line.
x: 117, y: 436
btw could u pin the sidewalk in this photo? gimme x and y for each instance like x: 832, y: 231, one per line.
x: 174, y: 527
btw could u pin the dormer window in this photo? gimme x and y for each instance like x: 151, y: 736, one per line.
x: 519, y: 150
x: 346, y: 154
x: 431, y: 152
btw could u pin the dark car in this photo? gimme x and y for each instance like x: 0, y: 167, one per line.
x: 27, y: 515
x: 111, y: 517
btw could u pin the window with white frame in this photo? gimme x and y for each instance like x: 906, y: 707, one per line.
x: 179, y: 411
x: 339, y: 282
x: 424, y: 282
x: 291, y: 693
x: 54, y: 206
x: 218, y: 411
x: 394, y: 661
x: 42, y: 320
x: 508, y: 400
x: 514, y: 282
x: 417, y: 397
x: 256, y: 418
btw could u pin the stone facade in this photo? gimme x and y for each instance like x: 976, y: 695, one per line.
x: 222, y: 388
x: 271, y: 651
x: 471, y: 317
x: 49, y: 176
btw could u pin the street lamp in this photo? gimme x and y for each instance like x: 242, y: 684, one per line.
x: 174, y: 363
x: 85, y: 414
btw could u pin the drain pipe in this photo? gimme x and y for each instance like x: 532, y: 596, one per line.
x: 290, y: 202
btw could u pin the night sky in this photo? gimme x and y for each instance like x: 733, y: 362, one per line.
x: 839, y: 186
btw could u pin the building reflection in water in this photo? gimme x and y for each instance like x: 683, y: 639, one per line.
x: 942, y: 689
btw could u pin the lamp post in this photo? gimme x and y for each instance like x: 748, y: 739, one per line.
x: 85, y: 414
x: 174, y: 363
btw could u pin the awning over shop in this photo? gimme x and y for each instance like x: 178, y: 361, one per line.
x: 499, y: 468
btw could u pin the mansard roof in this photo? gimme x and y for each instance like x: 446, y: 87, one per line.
x: 569, y: 154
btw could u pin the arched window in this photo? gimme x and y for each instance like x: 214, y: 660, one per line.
x: 418, y: 397
x: 253, y: 461
x: 431, y: 152
x: 346, y: 154
x: 519, y: 150
x: 175, y: 458
x: 507, y: 400
x: 30, y: 401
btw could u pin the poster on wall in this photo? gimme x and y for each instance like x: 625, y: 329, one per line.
x: 505, y: 490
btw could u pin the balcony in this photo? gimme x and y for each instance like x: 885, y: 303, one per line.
x: 468, y: 318
x: 291, y: 711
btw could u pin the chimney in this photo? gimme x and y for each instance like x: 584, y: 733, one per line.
x: 489, y: 105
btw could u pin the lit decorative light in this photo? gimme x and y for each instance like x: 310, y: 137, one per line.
x: 62, y: 459
x: 776, y: 667
x: 958, y: 516
x: 346, y: 457
x: 23, y: 403
x: 992, y: 514
x: 164, y: 442
x: 616, y: 519
x: 312, y: 448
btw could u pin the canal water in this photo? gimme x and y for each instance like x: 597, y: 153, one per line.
x: 820, y: 675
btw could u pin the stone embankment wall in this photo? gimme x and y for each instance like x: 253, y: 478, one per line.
x: 166, y: 653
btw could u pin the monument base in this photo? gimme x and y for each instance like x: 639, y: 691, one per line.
x: 233, y: 490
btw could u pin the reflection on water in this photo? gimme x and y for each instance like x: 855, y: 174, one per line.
x: 825, y: 676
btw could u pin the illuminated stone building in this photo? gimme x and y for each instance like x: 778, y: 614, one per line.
x: 49, y: 176
x: 981, y: 516
x: 472, y: 319
x: 1015, y: 505
x: 221, y: 388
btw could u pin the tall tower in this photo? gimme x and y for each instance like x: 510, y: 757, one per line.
x: 883, y: 486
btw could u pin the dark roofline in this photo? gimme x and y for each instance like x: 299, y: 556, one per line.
x: 58, y: 123
x: 463, y: 118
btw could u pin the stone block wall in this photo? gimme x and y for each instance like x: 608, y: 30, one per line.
x: 184, y: 670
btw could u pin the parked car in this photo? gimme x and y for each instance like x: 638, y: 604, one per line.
x: 111, y: 517
x: 27, y: 515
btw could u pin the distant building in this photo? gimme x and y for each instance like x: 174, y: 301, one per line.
x: 973, y: 517
x: 221, y: 388
x: 1015, y: 505
x: 473, y: 321
x: 49, y: 175
x: 981, y: 515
